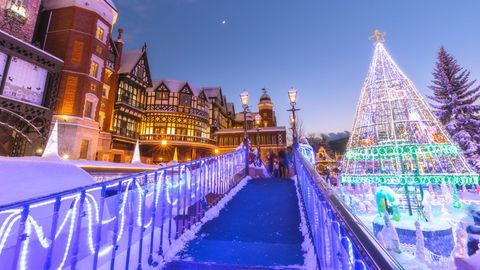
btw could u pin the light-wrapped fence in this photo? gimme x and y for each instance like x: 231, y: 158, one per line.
x: 341, y: 241
x: 124, y: 223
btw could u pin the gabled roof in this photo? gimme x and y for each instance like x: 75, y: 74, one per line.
x: 230, y: 107
x: 129, y: 60
x: 175, y: 86
x: 213, y: 92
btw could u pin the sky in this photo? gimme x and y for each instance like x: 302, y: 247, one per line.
x: 320, y: 47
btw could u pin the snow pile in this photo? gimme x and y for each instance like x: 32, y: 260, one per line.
x: 310, y: 257
x: 190, y: 234
x: 27, y: 178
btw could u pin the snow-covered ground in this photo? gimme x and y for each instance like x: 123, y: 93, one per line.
x: 26, y: 178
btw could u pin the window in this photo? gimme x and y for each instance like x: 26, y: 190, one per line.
x: 94, y: 69
x: 105, y: 91
x: 101, y: 118
x: 90, y: 106
x: 185, y: 100
x: 100, y: 33
x: 26, y: 81
x: 88, y: 109
x: 201, y: 102
x: 18, y: 6
x: 84, y: 149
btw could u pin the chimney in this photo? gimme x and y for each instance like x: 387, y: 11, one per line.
x: 119, y: 45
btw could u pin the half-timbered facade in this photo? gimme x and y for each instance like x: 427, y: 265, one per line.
x: 130, y: 102
x: 177, y: 116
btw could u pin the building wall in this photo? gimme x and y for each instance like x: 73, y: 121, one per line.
x: 266, y: 112
x: 15, y: 24
x: 72, y: 36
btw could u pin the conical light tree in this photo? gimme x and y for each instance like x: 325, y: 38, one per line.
x: 396, y: 140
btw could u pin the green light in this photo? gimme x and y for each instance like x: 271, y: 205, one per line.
x: 392, y: 151
x: 437, y: 179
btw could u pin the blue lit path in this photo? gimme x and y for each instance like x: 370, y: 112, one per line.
x: 258, y: 227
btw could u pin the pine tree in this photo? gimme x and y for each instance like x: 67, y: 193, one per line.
x: 454, y: 97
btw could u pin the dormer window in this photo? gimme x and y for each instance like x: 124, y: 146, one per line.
x: 185, y: 100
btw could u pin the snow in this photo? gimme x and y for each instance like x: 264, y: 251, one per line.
x: 310, y: 257
x: 189, y: 235
x: 27, y: 178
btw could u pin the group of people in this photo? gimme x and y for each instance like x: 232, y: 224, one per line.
x: 278, y: 166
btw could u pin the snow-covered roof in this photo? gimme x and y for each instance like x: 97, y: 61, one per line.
x: 110, y: 3
x: 230, y: 107
x: 175, y: 86
x: 25, y: 178
x: 211, y: 92
x: 129, y: 60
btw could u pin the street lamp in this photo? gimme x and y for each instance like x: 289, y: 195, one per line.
x: 292, y: 96
x: 258, y: 120
x: 244, y: 99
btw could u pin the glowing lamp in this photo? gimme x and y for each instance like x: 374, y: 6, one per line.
x: 39, y: 151
x: 292, y: 95
x: 163, y: 142
x: 216, y: 151
x: 66, y: 156
x: 244, y: 98
x: 258, y: 118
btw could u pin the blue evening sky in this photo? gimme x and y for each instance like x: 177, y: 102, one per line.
x: 321, y: 47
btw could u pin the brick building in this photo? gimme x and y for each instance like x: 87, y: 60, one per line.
x: 79, y: 32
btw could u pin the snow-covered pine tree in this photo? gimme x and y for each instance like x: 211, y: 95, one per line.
x: 454, y: 97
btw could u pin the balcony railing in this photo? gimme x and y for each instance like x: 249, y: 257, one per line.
x: 340, y: 239
x: 177, y: 109
x: 179, y: 138
x: 127, y: 223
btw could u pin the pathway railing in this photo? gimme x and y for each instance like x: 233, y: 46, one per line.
x: 341, y: 241
x: 127, y: 223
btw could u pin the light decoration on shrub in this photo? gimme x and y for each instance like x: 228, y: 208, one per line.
x: 396, y: 140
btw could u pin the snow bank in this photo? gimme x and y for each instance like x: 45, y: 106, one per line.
x: 190, y: 234
x: 310, y: 258
x: 26, y: 178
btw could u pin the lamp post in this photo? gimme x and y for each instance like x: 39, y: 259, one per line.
x: 258, y: 120
x: 292, y: 96
x: 244, y: 99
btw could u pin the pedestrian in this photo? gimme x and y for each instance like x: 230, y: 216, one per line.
x: 282, y: 157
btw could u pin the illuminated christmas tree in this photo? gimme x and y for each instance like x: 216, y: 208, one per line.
x: 396, y: 140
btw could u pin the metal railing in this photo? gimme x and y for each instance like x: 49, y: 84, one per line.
x: 340, y: 239
x: 176, y: 137
x: 126, y: 223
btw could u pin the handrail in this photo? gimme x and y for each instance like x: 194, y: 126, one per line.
x: 328, y: 210
x: 137, y: 217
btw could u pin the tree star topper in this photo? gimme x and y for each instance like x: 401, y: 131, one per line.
x: 378, y: 36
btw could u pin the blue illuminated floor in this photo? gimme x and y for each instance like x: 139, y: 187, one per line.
x: 258, y: 227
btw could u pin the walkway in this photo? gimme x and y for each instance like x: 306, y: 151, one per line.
x: 258, y: 227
